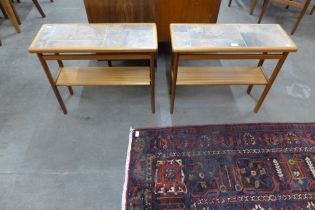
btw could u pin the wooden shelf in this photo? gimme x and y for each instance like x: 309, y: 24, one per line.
x: 99, y: 76
x: 221, y: 76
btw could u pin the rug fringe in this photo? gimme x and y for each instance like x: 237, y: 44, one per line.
x: 124, y: 194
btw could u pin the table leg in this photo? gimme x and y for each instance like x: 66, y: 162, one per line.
x: 152, y: 78
x: 263, y: 10
x: 7, y: 7
x: 174, y: 69
x: 261, y: 63
x: 170, y: 76
x: 15, y: 13
x: 313, y: 10
x: 60, y: 63
x: 39, y: 8
x: 3, y: 11
x: 52, y: 83
x: 270, y: 81
x: 301, y: 15
x: 230, y: 2
x: 253, y: 7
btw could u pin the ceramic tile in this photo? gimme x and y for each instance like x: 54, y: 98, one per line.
x: 96, y: 37
x: 229, y: 36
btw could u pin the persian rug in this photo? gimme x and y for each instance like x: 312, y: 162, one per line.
x: 228, y: 167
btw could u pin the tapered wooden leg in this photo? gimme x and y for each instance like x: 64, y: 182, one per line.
x: 152, y: 77
x: 60, y: 64
x: 174, y: 80
x: 39, y: 8
x: 70, y: 90
x: 249, y: 89
x: 270, y: 81
x: 109, y: 63
x: 3, y: 11
x: 263, y: 10
x: 260, y: 63
x: 52, y: 83
x: 307, y: 3
x: 313, y: 10
x: 15, y: 13
x: 9, y: 10
x: 170, y: 76
x: 230, y: 2
x: 252, y: 9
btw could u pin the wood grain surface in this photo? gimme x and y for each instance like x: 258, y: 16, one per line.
x: 120, y: 11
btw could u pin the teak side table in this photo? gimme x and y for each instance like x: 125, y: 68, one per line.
x: 97, y: 42
x: 227, y: 42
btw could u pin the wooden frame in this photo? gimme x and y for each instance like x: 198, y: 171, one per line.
x: 114, y: 76
x: 98, y: 76
x: 232, y: 76
x: 196, y: 75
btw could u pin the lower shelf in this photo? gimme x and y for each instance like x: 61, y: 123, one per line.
x: 99, y: 76
x: 194, y: 75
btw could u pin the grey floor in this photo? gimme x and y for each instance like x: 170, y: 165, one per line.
x: 52, y: 161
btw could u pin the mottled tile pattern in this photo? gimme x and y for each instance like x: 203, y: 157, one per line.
x: 229, y: 36
x: 96, y: 36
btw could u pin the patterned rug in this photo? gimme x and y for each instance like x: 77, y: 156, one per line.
x: 249, y: 166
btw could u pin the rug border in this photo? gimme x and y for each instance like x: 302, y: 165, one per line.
x: 124, y: 194
x: 227, y: 124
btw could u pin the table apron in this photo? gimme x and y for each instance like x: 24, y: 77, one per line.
x: 134, y: 56
x: 195, y: 56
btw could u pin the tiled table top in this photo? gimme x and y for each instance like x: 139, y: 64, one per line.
x: 90, y: 38
x: 230, y: 38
